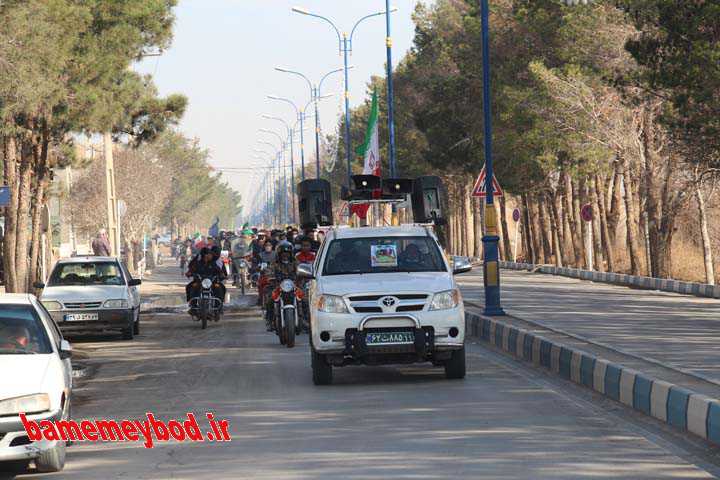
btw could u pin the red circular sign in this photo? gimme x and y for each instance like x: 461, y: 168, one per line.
x: 516, y: 215
x: 587, y: 212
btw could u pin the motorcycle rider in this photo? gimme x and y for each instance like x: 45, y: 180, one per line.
x: 238, y: 250
x: 205, y: 266
x: 284, y: 266
x: 306, y: 254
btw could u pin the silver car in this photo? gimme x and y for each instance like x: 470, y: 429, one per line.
x: 93, y: 294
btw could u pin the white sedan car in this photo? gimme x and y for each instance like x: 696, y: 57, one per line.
x: 93, y: 294
x: 36, y: 380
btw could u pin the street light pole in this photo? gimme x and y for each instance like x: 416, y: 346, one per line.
x: 390, y: 95
x: 345, y: 42
x: 315, y: 97
x: 491, y: 271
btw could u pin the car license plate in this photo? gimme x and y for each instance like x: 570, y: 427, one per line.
x: 389, y: 338
x: 80, y: 317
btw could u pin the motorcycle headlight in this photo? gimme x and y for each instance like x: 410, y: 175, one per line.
x: 119, y: 303
x: 206, y: 283
x: 446, y: 300
x: 243, y: 264
x: 52, y: 305
x: 287, y: 286
x: 331, y: 304
x: 37, y: 403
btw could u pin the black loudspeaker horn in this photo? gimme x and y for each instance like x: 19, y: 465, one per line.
x: 397, y: 186
x: 315, y: 203
x: 366, y: 182
x: 428, y: 196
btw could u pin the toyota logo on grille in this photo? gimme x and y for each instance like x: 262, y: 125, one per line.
x: 389, y: 301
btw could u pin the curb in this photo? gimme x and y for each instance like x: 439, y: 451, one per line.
x: 683, y: 409
x: 645, y: 283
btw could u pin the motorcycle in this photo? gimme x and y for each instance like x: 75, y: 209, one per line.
x: 304, y: 308
x: 206, y: 307
x: 239, y: 273
x: 285, y: 302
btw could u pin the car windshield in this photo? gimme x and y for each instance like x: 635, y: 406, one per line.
x: 22, y: 331
x: 86, y: 273
x: 383, y: 254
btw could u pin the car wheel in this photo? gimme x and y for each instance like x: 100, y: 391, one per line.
x: 52, y: 460
x: 455, y: 367
x: 322, y: 370
x: 15, y: 467
x: 136, y: 323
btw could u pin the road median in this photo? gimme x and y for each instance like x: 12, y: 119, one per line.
x: 671, y: 396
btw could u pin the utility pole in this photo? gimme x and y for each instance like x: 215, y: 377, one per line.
x: 111, y: 197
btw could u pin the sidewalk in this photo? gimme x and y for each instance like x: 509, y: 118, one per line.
x: 674, y: 331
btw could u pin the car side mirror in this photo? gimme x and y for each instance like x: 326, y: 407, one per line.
x: 38, y: 285
x: 305, y: 270
x: 134, y: 282
x: 65, y: 349
x: 461, y: 265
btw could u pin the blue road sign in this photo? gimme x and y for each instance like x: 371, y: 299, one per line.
x: 4, y: 196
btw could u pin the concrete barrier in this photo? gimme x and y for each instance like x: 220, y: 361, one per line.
x: 681, y: 408
x: 646, y: 283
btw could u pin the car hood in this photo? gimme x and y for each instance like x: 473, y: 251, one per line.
x: 24, y: 374
x: 387, y: 283
x: 84, y: 293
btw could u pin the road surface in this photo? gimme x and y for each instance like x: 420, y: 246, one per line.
x: 505, y: 420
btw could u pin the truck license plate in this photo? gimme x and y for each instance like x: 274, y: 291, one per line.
x: 389, y: 338
x: 80, y: 317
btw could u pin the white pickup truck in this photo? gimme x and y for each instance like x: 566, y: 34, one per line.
x: 384, y: 295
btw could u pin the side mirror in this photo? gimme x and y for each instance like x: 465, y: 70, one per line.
x: 65, y: 349
x: 134, y: 282
x: 38, y: 285
x: 305, y: 270
x: 461, y: 265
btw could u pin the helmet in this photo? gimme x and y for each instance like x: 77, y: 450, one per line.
x: 284, y: 247
x: 215, y: 250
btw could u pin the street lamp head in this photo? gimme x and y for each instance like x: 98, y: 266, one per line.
x: 300, y: 10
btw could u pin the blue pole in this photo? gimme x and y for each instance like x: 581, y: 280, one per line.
x: 348, y: 146
x: 390, y: 94
x: 491, y: 270
x: 316, y: 93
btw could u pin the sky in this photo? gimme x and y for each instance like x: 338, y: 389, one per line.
x: 223, y: 59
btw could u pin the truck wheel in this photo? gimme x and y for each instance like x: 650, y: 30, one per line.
x: 455, y: 367
x: 52, y: 460
x: 322, y: 371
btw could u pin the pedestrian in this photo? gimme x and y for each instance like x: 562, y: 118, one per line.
x: 101, y: 244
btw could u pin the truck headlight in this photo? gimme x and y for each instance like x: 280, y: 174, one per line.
x: 446, y: 300
x: 118, y: 303
x: 331, y: 304
x: 52, y: 305
x: 37, y: 403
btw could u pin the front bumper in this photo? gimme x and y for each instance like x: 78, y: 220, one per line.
x: 436, y: 332
x: 14, y: 442
x: 108, y: 319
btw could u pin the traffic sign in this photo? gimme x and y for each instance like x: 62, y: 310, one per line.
x: 479, y: 188
x: 587, y: 212
x: 516, y: 215
x: 4, y: 196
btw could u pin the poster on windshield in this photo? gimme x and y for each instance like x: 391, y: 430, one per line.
x: 383, y: 255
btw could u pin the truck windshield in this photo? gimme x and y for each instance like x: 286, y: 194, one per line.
x: 380, y: 255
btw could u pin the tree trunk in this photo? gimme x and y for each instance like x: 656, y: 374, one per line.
x: 633, y: 243
x: 536, y: 230
x: 572, y: 204
x: 504, y: 232
x: 595, y: 225
x: 707, y: 246
x: 555, y: 228
x: 10, y: 168
x: 42, y: 181
x: 615, y: 203
x: 605, y: 237
x: 23, y: 220
x: 529, y: 251
x: 545, y: 228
